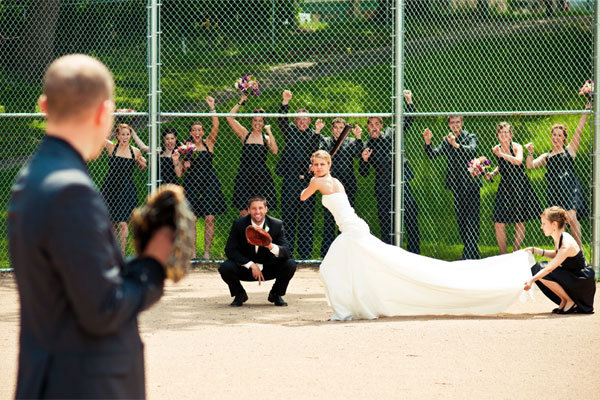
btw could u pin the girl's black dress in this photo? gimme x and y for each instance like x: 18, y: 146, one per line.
x: 167, y: 171
x: 564, y: 189
x: 575, y: 277
x: 516, y: 200
x: 118, y: 188
x: 202, y: 186
x: 254, y: 177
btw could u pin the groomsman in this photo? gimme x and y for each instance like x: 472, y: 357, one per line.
x: 460, y: 147
x: 378, y: 153
x: 342, y: 168
x: 293, y: 166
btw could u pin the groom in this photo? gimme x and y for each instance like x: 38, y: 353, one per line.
x: 247, y: 262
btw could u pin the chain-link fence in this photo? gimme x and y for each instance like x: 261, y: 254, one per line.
x: 491, y: 61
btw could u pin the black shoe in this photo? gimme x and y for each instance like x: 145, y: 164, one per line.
x: 571, y: 310
x: 556, y: 310
x: 239, y: 300
x: 277, y: 300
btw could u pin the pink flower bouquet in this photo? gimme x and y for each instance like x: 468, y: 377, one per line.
x: 479, y: 166
x: 247, y: 85
x: 186, y: 150
x: 587, y: 89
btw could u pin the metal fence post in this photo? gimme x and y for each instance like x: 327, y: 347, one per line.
x: 153, y: 93
x: 596, y: 153
x: 399, y: 123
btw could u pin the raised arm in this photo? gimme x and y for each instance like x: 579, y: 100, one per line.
x: 271, y: 143
x: 433, y: 152
x: 517, y: 159
x: 530, y: 163
x: 358, y: 143
x: 237, y: 128
x: 109, y: 146
x: 212, y: 137
x: 177, y: 163
x: 139, y: 158
x: 364, y: 162
x: 284, y: 124
x: 313, y: 186
x: 574, y: 143
x: 410, y: 107
x: 139, y: 142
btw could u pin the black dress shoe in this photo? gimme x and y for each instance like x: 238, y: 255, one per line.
x: 277, y: 300
x: 239, y: 300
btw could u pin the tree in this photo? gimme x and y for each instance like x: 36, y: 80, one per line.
x: 34, y: 48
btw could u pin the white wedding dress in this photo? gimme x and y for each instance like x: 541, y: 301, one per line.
x: 366, y: 278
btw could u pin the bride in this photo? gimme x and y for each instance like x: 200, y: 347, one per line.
x: 366, y: 278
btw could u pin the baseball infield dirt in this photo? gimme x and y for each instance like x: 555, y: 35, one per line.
x: 199, y: 348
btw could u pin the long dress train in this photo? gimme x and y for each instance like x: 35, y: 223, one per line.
x: 366, y: 278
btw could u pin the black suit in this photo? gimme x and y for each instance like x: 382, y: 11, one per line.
x: 342, y: 168
x: 381, y: 160
x: 464, y: 188
x: 79, y: 300
x: 239, y: 252
x: 298, y: 216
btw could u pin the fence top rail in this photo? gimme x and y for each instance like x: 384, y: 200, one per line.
x: 332, y: 115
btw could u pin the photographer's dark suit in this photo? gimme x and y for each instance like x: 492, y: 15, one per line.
x: 239, y: 252
x: 342, y: 168
x: 298, y: 216
x: 79, y: 300
x: 464, y: 188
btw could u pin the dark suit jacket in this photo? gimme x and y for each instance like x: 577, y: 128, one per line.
x: 342, y: 166
x: 79, y: 300
x: 457, y: 161
x: 299, y: 146
x: 240, y: 251
x: 381, y: 158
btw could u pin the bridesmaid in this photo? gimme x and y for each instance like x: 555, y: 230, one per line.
x: 201, y: 184
x: 169, y: 159
x: 118, y: 187
x: 516, y: 201
x: 563, y: 186
x: 253, y: 177
x: 566, y: 279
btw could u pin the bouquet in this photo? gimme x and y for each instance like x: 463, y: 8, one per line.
x: 186, y: 150
x: 587, y: 89
x: 247, y: 85
x: 479, y: 166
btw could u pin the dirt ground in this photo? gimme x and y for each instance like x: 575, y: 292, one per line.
x: 199, y: 348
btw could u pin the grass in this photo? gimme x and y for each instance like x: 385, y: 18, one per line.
x: 529, y: 71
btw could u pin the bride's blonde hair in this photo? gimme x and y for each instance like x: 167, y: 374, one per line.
x: 322, y: 154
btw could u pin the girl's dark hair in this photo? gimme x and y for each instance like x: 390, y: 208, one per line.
x: 168, y: 131
x: 190, y: 138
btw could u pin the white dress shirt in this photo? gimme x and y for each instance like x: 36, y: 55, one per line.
x: 274, y: 250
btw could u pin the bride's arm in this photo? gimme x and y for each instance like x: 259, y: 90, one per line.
x: 313, y: 186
